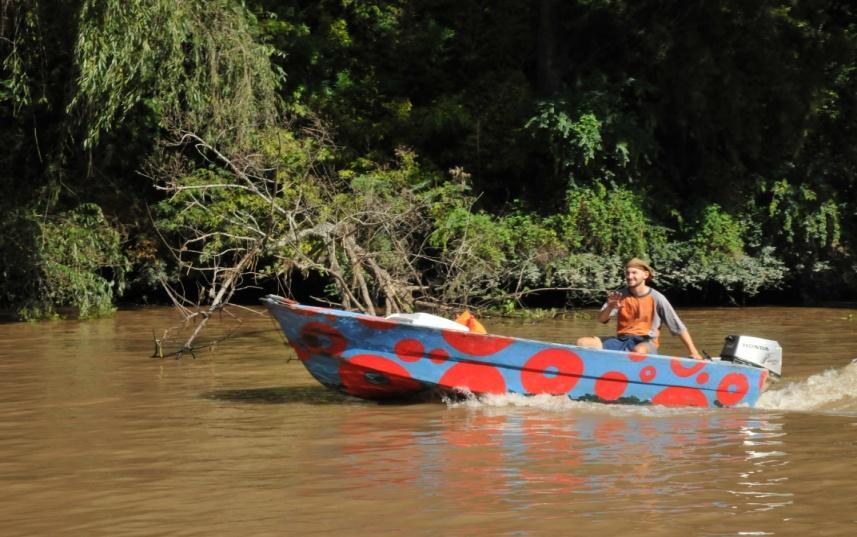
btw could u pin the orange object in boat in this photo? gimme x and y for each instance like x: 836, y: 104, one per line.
x: 468, y: 320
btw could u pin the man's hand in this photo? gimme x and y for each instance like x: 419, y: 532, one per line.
x: 614, y: 299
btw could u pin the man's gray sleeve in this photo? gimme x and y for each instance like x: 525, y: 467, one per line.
x: 667, y: 314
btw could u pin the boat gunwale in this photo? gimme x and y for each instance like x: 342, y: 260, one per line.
x: 344, y: 314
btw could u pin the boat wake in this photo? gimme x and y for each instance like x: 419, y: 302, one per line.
x: 834, y: 390
x: 559, y: 403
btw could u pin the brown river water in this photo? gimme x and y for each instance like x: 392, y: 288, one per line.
x: 99, y: 439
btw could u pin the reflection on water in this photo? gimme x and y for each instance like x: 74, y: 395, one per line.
x: 98, y: 439
x: 587, y: 464
x: 316, y: 395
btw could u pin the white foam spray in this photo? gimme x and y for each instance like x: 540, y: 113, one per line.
x: 833, y: 390
x: 561, y: 403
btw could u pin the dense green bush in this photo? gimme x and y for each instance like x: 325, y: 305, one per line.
x: 581, y: 251
x: 686, y: 266
x: 608, y: 221
x: 68, y: 264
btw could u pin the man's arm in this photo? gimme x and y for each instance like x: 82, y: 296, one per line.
x: 669, y: 317
x: 688, y: 342
x: 613, y: 301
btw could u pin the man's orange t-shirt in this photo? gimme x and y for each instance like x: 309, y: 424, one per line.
x: 643, y: 315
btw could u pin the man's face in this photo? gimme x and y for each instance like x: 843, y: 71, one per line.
x: 635, y: 276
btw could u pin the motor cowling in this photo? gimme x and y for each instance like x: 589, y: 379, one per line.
x: 754, y: 351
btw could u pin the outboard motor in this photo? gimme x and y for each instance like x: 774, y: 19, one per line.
x: 754, y: 351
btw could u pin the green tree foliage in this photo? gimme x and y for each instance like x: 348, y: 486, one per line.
x: 202, y: 69
x: 88, y: 87
x: 608, y: 221
x: 573, y: 144
x: 445, y: 78
x: 254, y: 216
x: 68, y: 264
x: 716, y: 138
x: 809, y: 226
x: 692, y: 103
x: 722, y: 259
x: 717, y: 236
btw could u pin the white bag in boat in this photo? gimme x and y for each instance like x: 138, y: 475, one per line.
x: 429, y: 320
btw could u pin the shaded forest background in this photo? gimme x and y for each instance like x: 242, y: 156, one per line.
x: 387, y: 155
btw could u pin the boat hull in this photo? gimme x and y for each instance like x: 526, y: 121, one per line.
x: 376, y: 358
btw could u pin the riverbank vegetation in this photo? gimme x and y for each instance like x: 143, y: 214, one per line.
x: 389, y: 155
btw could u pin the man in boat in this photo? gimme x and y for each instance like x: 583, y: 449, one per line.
x: 640, y: 311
